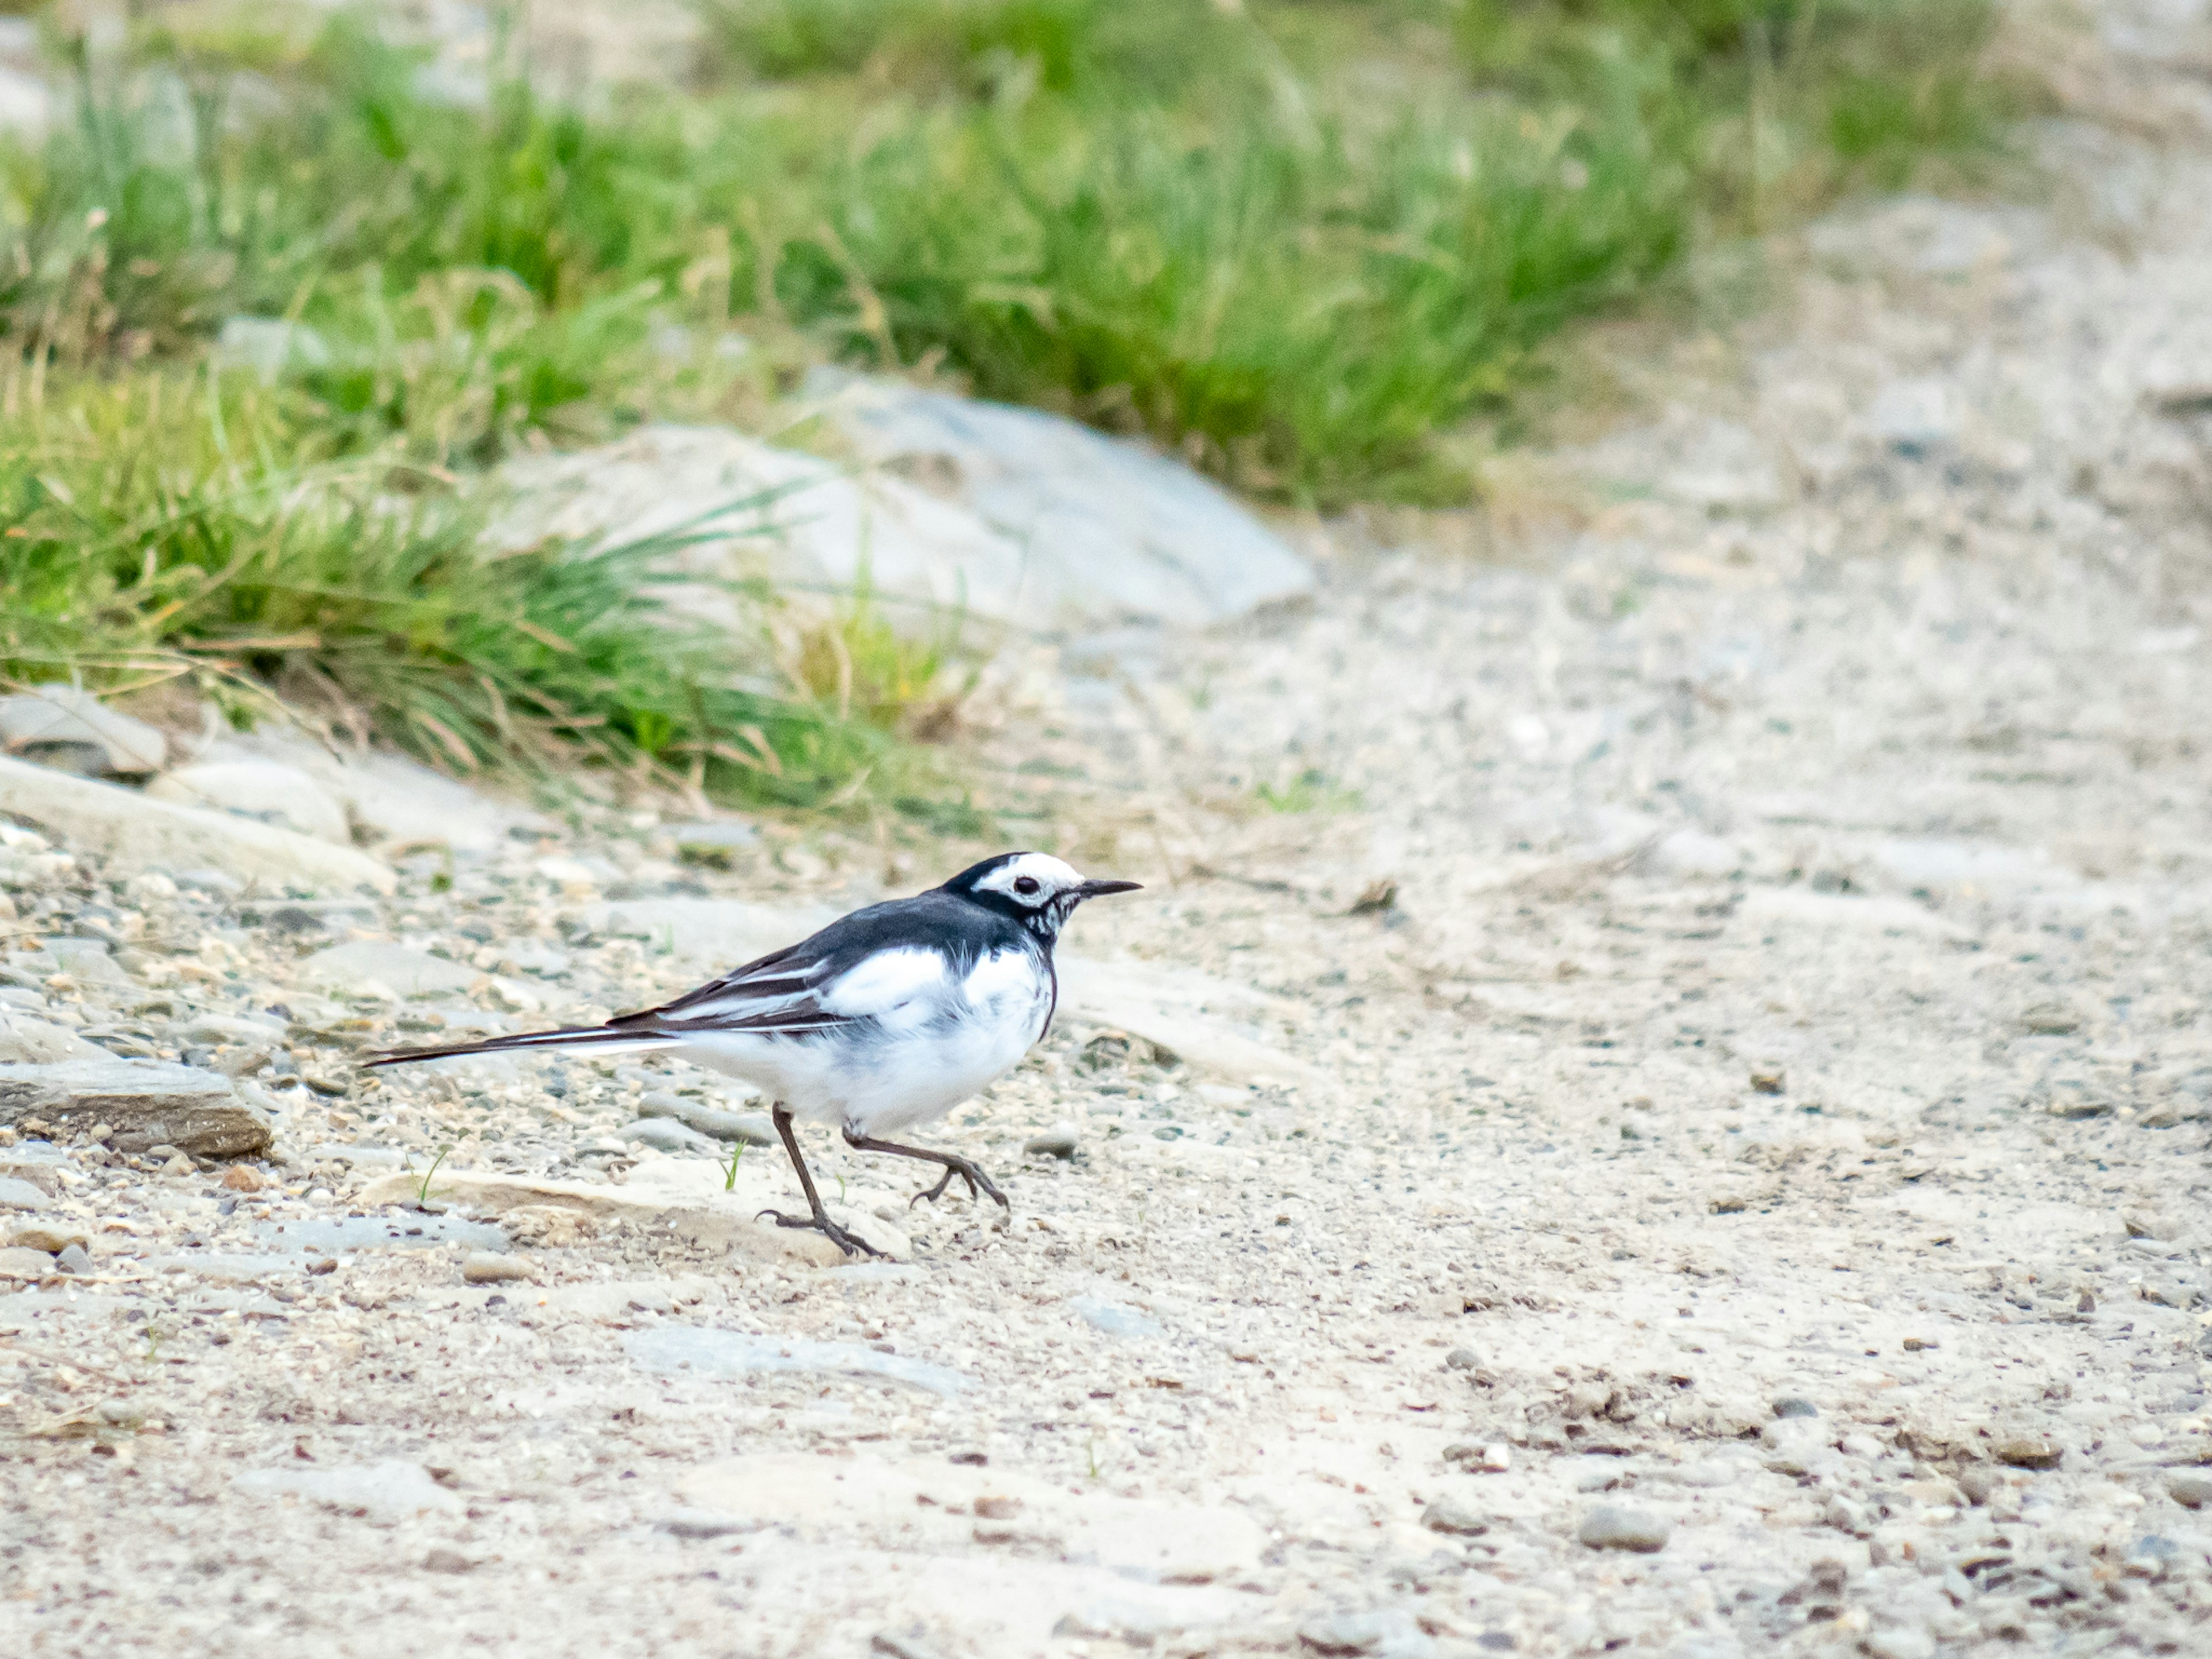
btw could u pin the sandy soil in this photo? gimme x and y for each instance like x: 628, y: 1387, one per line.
x: 1721, y: 1063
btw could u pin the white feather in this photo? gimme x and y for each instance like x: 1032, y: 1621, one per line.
x: 952, y: 1039
x: 895, y: 987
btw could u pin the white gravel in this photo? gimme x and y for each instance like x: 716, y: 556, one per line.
x: 1725, y: 1065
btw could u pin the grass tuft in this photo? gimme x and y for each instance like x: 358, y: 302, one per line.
x: 273, y: 305
x: 164, y: 528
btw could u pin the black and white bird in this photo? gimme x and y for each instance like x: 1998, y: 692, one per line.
x: 887, y: 1019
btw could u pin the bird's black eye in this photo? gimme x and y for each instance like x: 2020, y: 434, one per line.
x: 1025, y: 885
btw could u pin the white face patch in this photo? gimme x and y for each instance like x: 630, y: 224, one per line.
x: 1034, y: 879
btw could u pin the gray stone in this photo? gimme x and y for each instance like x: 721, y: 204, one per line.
x: 703, y: 1524
x: 1610, y: 1527
x: 101, y: 742
x: 371, y: 963
x: 75, y: 1259
x: 134, y: 833
x: 1379, y: 1632
x: 668, y: 1349
x: 26, y: 1041
x: 1597, y: 1475
x: 1794, y: 1406
x: 667, y: 1134
x: 2029, y: 1452
x: 147, y: 1102
x: 266, y: 791
x: 1109, y: 532
x: 389, y: 1491
x: 231, y: 1267
x: 2191, y: 1488
x: 1452, y: 1516
x: 752, y: 1128
x: 18, y: 1262
x: 217, y: 1030
x: 1114, y: 1318
x: 405, y: 1230
x: 397, y: 803
x: 489, y: 1268
x: 1463, y: 1359
x: 1059, y: 1142
x: 1979, y: 1481
x: 745, y: 511
x: 86, y: 960
x: 912, y: 1643
x: 1899, y: 1642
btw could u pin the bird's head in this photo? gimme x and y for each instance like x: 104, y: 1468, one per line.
x: 1035, y: 889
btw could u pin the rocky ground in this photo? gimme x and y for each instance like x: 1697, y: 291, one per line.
x: 1657, y: 1098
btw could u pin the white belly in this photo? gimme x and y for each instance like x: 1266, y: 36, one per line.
x: 883, y: 1079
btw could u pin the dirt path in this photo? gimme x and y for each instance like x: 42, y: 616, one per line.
x: 1725, y: 1066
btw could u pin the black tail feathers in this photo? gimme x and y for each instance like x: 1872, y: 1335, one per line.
x: 603, y: 1038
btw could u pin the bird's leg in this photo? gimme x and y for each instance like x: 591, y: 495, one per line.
x: 819, y: 1221
x: 954, y: 1165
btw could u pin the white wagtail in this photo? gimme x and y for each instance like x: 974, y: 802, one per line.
x: 887, y: 1018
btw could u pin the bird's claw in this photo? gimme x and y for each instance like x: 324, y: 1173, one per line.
x: 851, y: 1243
x: 972, y: 1175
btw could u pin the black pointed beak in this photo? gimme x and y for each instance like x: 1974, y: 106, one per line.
x: 1094, y: 889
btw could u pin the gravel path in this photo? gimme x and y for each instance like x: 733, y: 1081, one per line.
x: 1658, y: 1099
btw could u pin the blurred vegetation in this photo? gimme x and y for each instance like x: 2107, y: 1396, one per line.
x: 274, y: 292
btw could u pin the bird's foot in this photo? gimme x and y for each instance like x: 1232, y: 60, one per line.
x: 968, y: 1172
x: 851, y: 1243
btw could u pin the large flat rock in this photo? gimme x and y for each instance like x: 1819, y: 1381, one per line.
x: 133, y: 832
x: 395, y: 802
x: 146, y: 1103
x: 1039, y: 524
x: 777, y: 515
x: 1112, y: 533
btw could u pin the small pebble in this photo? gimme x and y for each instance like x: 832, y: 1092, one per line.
x: 2189, y: 1489
x: 1611, y: 1527
x: 243, y: 1178
x: 1793, y: 1406
x: 1463, y: 1359
x: 2029, y: 1453
x: 1977, y: 1481
x: 74, y: 1259
x: 442, y: 1559
x: 1901, y: 1641
x: 179, y: 1165
x: 1597, y: 1475
x: 1448, y: 1514
x: 490, y: 1267
x: 1058, y: 1141
x: 1383, y: 1630
x: 667, y: 1135
x: 1767, y: 1080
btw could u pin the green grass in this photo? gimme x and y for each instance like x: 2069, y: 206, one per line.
x: 1303, y: 242
x: 168, y: 527
x: 1152, y: 214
